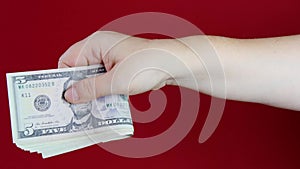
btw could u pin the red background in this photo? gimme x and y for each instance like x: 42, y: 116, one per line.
x: 35, y: 33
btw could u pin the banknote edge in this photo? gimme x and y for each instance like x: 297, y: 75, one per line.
x: 12, y: 107
x: 86, y: 133
x: 55, y: 70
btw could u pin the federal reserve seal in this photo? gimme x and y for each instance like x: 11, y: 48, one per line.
x: 42, y: 103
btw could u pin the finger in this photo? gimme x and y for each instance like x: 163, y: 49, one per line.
x: 73, y: 56
x: 94, y: 49
x: 82, y: 53
x: 61, y: 64
x: 92, y: 88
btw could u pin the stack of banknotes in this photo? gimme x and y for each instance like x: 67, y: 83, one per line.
x: 43, y: 121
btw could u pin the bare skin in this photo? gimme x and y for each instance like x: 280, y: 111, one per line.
x: 263, y: 70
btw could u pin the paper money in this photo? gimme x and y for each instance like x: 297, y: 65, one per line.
x: 43, y: 121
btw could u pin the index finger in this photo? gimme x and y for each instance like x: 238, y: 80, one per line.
x: 76, y: 55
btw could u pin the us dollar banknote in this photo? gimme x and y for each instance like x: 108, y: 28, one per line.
x: 43, y: 121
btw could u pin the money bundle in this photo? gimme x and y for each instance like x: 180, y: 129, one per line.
x: 43, y: 121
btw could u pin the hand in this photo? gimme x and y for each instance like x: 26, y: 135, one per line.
x: 133, y: 66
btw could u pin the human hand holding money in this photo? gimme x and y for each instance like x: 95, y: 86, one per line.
x: 60, y: 110
x: 74, y: 106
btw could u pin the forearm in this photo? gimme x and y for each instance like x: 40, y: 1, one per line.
x: 256, y: 70
x: 263, y: 70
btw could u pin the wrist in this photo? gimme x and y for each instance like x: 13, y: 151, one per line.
x: 182, y: 63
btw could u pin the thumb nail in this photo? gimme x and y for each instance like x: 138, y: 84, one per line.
x: 71, y: 95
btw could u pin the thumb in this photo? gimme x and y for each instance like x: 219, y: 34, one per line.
x: 90, y: 88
